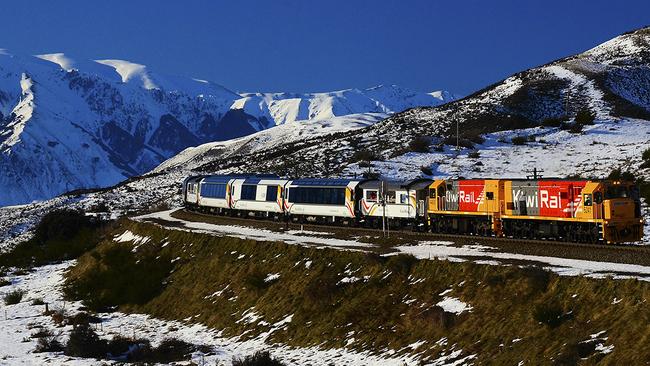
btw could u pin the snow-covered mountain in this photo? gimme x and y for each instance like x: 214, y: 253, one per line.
x: 67, y: 124
x: 612, y: 80
x: 279, y: 108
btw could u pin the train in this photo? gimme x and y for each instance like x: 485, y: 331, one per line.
x: 573, y: 210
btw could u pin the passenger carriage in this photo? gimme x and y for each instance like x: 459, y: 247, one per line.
x: 321, y: 200
x: 401, y: 203
x: 259, y: 197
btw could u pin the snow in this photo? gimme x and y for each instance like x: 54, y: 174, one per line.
x: 65, y: 62
x: 271, y: 277
x: 129, y: 71
x: 441, y: 250
x: 16, y: 347
x: 248, y: 232
x: 453, y: 305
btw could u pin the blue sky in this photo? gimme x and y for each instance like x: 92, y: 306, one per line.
x: 303, y: 45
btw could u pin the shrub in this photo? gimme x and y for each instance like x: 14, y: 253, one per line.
x: 4, y: 282
x: 475, y: 138
x: 439, y: 148
x: 575, y: 128
x: 259, y: 358
x: 364, y: 155
x: 462, y: 142
x: 646, y: 155
x: 38, y: 301
x: 254, y: 280
x: 519, y: 140
x: 617, y: 174
x: 585, y: 117
x: 474, y: 154
x: 550, y: 314
x: 84, y: 342
x: 531, y: 138
x: 170, y: 350
x: 420, y: 144
x: 47, y: 342
x: 60, y: 224
x: 401, y: 263
x: 552, y: 122
x: 13, y: 297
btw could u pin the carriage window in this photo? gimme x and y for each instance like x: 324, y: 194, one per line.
x: 490, y: 195
x: 371, y: 196
x: 432, y: 193
x: 248, y: 192
x: 403, y: 198
x: 390, y: 197
x: 319, y: 196
x: 587, y: 198
x: 271, y: 193
x: 213, y: 190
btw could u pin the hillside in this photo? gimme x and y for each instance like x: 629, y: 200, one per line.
x: 67, y: 124
x: 611, y: 80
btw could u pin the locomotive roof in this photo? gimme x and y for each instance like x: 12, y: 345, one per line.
x: 390, y: 184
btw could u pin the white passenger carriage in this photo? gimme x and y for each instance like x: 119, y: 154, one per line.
x: 328, y: 200
x: 191, y: 190
x: 399, y: 203
x: 255, y: 196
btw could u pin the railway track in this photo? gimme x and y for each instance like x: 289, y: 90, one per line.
x: 458, y: 238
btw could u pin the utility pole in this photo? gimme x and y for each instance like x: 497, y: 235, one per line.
x: 457, y: 136
x: 535, y: 172
x: 383, y: 204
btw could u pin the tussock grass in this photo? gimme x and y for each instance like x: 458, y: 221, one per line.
x: 382, y: 302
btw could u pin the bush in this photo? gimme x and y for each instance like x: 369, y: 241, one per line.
x: 439, y: 148
x: 420, y: 144
x: 531, y: 138
x: 575, y: 128
x: 585, y: 117
x: 60, y: 235
x: 254, y: 280
x: 550, y: 314
x: 401, y: 263
x: 60, y: 224
x: 617, y: 174
x: 475, y: 138
x: 259, y: 358
x: 38, y: 301
x: 364, y: 155
x: 474, y: 154
x: 4, y: 282
x: 426, y: 170
x: 552, y: 122
x: 84, y: 342
x: 47, y: 342
x: 13, y: 297
x: 519, y: 140
x: 646, y: 155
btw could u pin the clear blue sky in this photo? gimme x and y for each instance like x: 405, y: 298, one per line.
x: 305, y: 45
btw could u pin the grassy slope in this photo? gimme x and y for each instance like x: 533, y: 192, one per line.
x: 551, y: 315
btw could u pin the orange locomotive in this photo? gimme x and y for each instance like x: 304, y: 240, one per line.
x: 571, y: 210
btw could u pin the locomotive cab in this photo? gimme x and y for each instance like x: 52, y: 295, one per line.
x: 616, y: 204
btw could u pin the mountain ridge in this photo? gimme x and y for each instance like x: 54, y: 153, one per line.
x: 67, y: 124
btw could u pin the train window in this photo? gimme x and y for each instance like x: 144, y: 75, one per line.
x: 587, y: 199
x: 490, y: 195
x: 616, y: 192
x: 441, y: 191
x: 248, y: 192
x: 319, y: 196
x: 213, y: 190
x: 390, y: 197
x: 271, y: 193
x: 598, y: 197
x: 403, y: 198
x: 510, y: 205
x: 371, y: 196
x: 432, y: 193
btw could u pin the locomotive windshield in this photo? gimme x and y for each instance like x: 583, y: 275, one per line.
x: 616, y: 191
